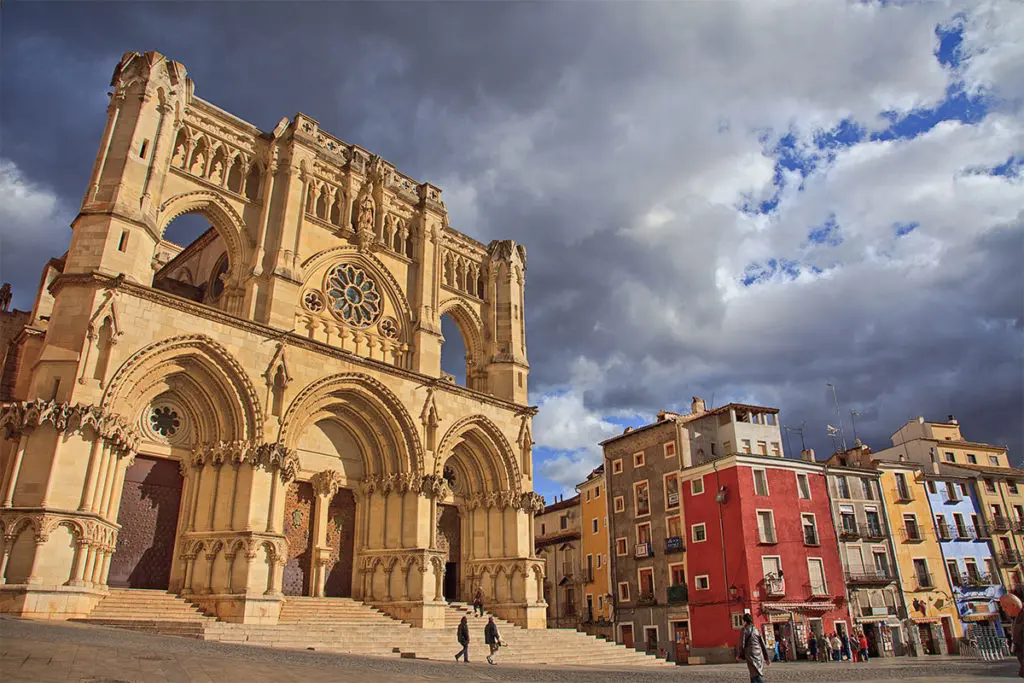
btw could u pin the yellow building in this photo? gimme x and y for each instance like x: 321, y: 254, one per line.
x: 597, y: 587
x: 1000, y: 488
x: 932, y: 619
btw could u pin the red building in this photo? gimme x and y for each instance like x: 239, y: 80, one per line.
x: 760, y: 539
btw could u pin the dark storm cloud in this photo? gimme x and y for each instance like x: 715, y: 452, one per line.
x: 614, y: 140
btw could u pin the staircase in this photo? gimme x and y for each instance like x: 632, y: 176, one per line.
x: 154, y: 611
x: 346, y: 626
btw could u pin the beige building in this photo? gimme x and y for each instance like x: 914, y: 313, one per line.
x: 560, y: 545
x: 262, y: 413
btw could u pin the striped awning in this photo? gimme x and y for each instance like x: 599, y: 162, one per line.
x: 798, y: 606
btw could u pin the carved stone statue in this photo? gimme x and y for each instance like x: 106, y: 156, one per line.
x: 5, y: 296
x: 364, y: 221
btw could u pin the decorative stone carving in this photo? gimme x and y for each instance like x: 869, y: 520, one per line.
x: 353, y: 295
x: 20, y: 416
x: 326, y: 483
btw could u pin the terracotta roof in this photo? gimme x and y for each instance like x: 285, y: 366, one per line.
x: 561, y: 505
x: 989, y: 469
x: 969, y: 444
x: 544, y: 541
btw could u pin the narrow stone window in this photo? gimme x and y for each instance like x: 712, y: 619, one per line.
x: 142, y: 150
x: 122, y: 244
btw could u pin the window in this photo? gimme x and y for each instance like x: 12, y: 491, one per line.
x: 698, y: 533
x: 671, y: 484
x: 697, y: 486
x: 910, y: 528
x: 726, y: 448
x: 674, y: 527
x: 643, y: 533
x: 979, y: 526
x: 593, y: 525
x: 902, y: 489
x: 881, y: 559
x: 645, y: 579
x: 842, y: 487
x: 542, y: 529
x: 952, y: 493
x: 963, y: 490
x: 1018, y: 511
x: 874, y: 522
x: 869, y: 489
x: 961, y: 526
x: 564, y: 521
x: 702, y: 583
x: 670, y: 449
x: 972, y: 571
x: 142, y: 149
x: 620, y: 504
x: 847, y: 521
x: 990, y: 486
x: 641, y: 498
x: 990, y: 568
x: 590, y: 569
x: 588, y: 496
x: 972, y: 458
x: 949, y: 456
x: 621, y: 548
x: 803, y: 486
x: 810, y: 529
x: 766, y: 526
x: 638, y: 459
x: 617, y: 466
x: 122, y: 244
x: 746, y: 445
x: 597, y: 492
x: 774, y: 584
x: 993, y: 460
x: 943, y: 527
x: 677, y: 574
x: 931, y: 488
x: 761, y: 482
x: 599, y: 560
x: 737, y: 620
x: 1011, y: 486
x: 624, y: 591
x: 924, y: 577
x: 600, y: 603
x: 762, y: 447
x: 816, y: 569
x: 954, y: 573
x: 776, y: 450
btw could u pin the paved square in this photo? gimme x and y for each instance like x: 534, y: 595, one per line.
x: 39, y: 652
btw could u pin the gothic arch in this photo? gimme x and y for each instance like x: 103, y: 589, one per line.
x: 469, y: 324
x: 369, y: 410
x: 393, y: 290
x: 220, y: 396
x: 492, y: 456
x: 222, y: 216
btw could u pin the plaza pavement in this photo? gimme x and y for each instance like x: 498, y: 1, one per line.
x: 40, y: 652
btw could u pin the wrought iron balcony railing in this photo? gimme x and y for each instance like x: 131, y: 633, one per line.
x: 674, y: 544
x: 876, y: 576
x: 643, y: 550
x: 678, y: 595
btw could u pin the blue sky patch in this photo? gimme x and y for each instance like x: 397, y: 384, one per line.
x: 758, y: 273
x: 951, y: 37
x: 902, y: 229
x: 827, y: 233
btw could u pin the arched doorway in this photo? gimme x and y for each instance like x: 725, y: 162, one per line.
x: 450, y: 540
x: 148, y: 516
x: 341, y: 534
x: 298, y: 528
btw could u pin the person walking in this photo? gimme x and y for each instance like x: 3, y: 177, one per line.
x: 752, y: 650
x: 837, y: 648
x: 478, y: 603
x: 824, y: 651
x: 492, y: 638
x: 463, y: 636
x: 844, y: 640
x: 863, y: 642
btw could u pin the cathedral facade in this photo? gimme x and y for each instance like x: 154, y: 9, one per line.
x: 262, y: 413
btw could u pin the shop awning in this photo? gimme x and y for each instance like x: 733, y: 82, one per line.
x: 798, y: 606
x: 985, y: 616
x: 871, y: 620
x: 925, y: 620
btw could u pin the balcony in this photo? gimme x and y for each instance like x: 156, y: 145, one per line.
x: 965, y: 533
x: 982, y: 532
x: 978, y: 580
x: 775, y: 587
x: 869, y: 611
x: 642, y: 550
x: 1008, y: 558
x: 1000, y: 523
x: 673, y: 499
x: 872, y: 531
x: 912, y: 535
x: 848, y: 532
x: 678, y: 595
x: 945, y: 534
x: 646, y: 600
x: 1019, y: 525
x: 674, y: 544
x: 872, y: 577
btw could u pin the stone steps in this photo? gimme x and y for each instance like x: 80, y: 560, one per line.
x: 152, y: 611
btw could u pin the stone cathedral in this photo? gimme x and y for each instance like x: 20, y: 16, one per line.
x: 262, y: 413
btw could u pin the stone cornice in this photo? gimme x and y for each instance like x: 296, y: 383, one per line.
x: 199, y: 310
x: 118, y: 433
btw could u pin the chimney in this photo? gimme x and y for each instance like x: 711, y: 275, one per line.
x: 627, y: 430
x: 807, y: 454
x: 697, y: 406
x: 953, y: 421
x: 920, y: 419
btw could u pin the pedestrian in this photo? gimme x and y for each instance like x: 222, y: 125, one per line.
x: 463, y: 636
x: 824, y: 651
x: 844, y: 640
x: 492, y: 638
x: 784, y: 650
x: 478, y: 603
x: 812, y: 648
x: 1018, y: 630
x: 837, y: 648
x: 863, y: 642
x: 752, y: 650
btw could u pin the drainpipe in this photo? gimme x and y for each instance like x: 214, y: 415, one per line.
x: 721, y: 530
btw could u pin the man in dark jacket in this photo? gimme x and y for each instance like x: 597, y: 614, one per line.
x: 463, y: 635
x: 752, y: 650
x: 492, y: 638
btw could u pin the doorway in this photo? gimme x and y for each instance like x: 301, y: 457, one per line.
x: 950, y: 636
x: 927, y: 642
x: 449, y: 539
x: 651, y: 640
x: 341, y: 525
x: 149, y: 524
x: 627, y: 635
x: 681, y: 636
x: 298, y: 517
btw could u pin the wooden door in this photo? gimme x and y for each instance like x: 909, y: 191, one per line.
x: 682, y: 637
x: 149, y: 524
x: 298, y: 523
x: 627, y: 635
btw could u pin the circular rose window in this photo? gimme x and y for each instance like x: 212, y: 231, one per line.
x: 353, y: 295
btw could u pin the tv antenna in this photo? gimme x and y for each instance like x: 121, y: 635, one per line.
x: 799, y: 430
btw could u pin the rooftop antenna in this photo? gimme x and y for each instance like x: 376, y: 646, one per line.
x: 853, y: 417
x: 711, y: 403
x: 839, y: 427
x: 799, y: 430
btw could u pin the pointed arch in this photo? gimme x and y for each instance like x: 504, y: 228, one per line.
x: 480, y: 447
x: 222, y: 397
x: 221, y: 215
x: 469, y: 324
x: 372, y: 413
x: 394, y: 291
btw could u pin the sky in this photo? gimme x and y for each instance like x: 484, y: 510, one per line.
x: 738, y: 201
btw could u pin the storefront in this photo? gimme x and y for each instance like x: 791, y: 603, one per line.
x: 883, y: 634
x: 979, y: 611
x: 792, y: 623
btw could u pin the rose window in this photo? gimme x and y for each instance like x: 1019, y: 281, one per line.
x: 353, y: 295
x: 388, y: 328
x: 313, y: 301
x: 164, y: 421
